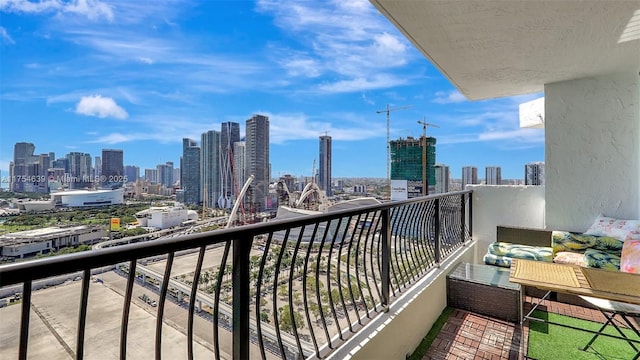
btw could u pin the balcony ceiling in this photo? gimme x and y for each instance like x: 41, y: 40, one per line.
x: 495, y: 48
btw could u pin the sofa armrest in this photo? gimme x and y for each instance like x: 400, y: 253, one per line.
x: 524, y: 236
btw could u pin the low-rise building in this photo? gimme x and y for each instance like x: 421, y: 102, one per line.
x: 29, y: 243
x: 165, y: 217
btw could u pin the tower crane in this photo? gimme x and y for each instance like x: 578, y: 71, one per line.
x: 425, y: 181
x: 388, y: 110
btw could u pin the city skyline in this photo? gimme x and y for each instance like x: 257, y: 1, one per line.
x: 141, y: 77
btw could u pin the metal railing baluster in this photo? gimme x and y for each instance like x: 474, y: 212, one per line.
x: 164, y: 287
x: 241, y: 296
x: 126, y: 308
x: 82, y: 316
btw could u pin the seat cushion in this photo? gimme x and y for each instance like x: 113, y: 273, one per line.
x: 518, y: 251
x: 602, y: 260
x: 630, y: 258
x: 569, y: 257
x: 497, y: 260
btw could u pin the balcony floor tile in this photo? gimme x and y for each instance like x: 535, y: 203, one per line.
x: 467, y: 335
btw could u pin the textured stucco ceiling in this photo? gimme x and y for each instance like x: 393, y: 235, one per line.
x: 501, y: 48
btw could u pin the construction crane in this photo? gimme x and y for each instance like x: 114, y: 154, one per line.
x: 425, y: 181
x: 388, y: 110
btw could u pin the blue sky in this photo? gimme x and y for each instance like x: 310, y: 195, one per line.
x: 83, y: 75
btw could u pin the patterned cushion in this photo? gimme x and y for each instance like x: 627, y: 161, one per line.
x: 578, y: 242
x: 518, y: 251
x: 630, y: 258
x: 616, y: 228
x: 569, y: 257
x: 497, y: 260
x: 602, y: 260
x: 568, y: 241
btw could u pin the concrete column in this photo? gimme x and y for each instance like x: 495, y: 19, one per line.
x: 592, y: 150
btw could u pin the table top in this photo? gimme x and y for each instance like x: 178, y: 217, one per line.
x: 564, y: 278
x: 483, y: 274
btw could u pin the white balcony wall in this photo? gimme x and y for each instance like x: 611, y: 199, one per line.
x: 592, y: 150
x: 493, y: 205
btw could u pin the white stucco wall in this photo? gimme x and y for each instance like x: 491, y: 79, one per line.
x: 494, y: 205
x: 592, y: 150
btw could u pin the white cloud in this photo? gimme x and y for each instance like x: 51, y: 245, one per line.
x: 367, y: 100
x: 92, y: 9
x: 380, y: 81
x: 146, y: 60
x: 4, y: 35
x: 302, y: 67
x: 347, y: 39
x: 451, y: 97
x: 286, y: 127
x: 99, y: 106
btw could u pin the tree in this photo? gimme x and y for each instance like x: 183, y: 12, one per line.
x: 286, y: 323
x: 315, y: 309
x: 264, y: 317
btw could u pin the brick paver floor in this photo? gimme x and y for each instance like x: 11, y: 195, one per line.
x: 472, y: 336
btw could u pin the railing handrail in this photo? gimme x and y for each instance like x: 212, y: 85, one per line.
x: 14, y: 273
x: 403, y: 242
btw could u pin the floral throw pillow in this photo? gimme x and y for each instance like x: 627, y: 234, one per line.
x: 615, y: 228
x: 630, y: 258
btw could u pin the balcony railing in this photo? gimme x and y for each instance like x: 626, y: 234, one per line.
x: 290, y: 288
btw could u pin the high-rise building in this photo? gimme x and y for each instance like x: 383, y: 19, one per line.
x: 239, y: 168
x: 151, y: 175
x: 324, y: 173
x: 493, y: 175
x: 534, y: 173
x: 62, y: 163
x: 79, y: 170
x: 97, y: 169
x: 229, y: 135
x: 132, y: 173
x: 210, y: 168
x: 190, y: 172
x: 112, y: 168
x: 442, y: 178
x: 469, y: 175
x: 165, y: 174
x: 406, y: 164
x: 22, y: 157
x: 257, y: 159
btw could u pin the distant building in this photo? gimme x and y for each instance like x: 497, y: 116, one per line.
x: 80, y: 171
x: 257, y: 160
x: 97, y: 169
x: 88, y: 198
x: 132, y: 172
x: 210, y: 168
x: 165, y: 217
x: 534, y: 173
x: 190, y: 173
x: 406, y: 164
x: 239, y: 163
x: 324, y: 173
x: 229, y: 184
x: 112, y: 168
x: 165, y: 174
x: 442, y: 178
x: 42, y: 241
x: 22, y: 158
x: 469, y: 176
x: 493, y: 175
x: 151, y: 175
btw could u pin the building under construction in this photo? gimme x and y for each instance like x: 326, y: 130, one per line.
x: 406, y: 163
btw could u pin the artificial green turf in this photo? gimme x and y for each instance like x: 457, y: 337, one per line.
x: 555, y: 342
x: 422, y: 349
